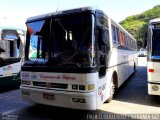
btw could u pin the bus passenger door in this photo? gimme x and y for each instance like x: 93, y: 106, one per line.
x: 103, y: 51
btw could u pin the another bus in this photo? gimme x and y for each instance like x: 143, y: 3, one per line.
x: 153, y: 58
x: 11, y: 53
x: 82, y: 57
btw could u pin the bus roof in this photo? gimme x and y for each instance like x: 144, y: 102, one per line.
x: 157, y: 20
x: 10, y: 28
x: 69, y: 11
x: 75, y: 10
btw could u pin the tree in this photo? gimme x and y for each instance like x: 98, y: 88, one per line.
x: 137, y: 24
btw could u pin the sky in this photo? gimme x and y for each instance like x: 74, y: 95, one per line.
x: 15, y: 12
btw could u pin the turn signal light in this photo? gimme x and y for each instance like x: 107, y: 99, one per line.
x: 91, y: 87
x: 75, y: 87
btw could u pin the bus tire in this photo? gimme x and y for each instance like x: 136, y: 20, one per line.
x: 112, y: 91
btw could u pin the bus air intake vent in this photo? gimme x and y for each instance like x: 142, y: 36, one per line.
x: 39, y: 84
x: 59, y: 85
x: 50, y: 85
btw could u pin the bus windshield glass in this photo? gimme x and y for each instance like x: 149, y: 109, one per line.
x: 11, y: 43
x: 9, y: 35
x: 62, y: 40
x: 156, y: 42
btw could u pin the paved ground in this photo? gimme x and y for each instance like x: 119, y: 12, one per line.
x: 132, y: 96
x: 131, y: 101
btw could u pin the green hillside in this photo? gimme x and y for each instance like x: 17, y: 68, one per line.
x: 137, y: 24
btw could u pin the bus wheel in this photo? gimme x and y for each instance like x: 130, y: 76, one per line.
x: 112, y: 92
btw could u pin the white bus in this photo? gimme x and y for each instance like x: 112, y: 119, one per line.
x: 82, y: 56
x: 11, y: 53
x: 153, y: 58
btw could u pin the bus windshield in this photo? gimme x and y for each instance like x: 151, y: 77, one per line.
x: 62, y: 40
x: 156, y: 42
x: 11, y: 42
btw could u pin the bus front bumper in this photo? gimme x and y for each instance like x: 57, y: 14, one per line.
x: 75, y: 100
x: 154, y: 88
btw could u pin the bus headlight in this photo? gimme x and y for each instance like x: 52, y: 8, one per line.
x: 26, y: 82
x: 91, y: 87
x: 78, y: 87
x: 81, y: 87
x: 155, y: 88
x: 75, y: 87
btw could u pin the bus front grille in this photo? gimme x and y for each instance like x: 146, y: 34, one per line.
x: 50, y: 85
x: 39, y: 84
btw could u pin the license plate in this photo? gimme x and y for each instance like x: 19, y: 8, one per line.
x: 48, y: 96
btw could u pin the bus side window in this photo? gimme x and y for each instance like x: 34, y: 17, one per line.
x: 121, y: 37
x: 126, y: 41
x: 113, y: 34
x: 117, y: 35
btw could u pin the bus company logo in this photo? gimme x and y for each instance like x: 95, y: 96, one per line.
x: 101, y: 91
x: 8, y: 68
x: 25, y: 75
x: 34, y: 77
x: 46, y: 77
x: 66, y: 77
x: 57, y: 77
